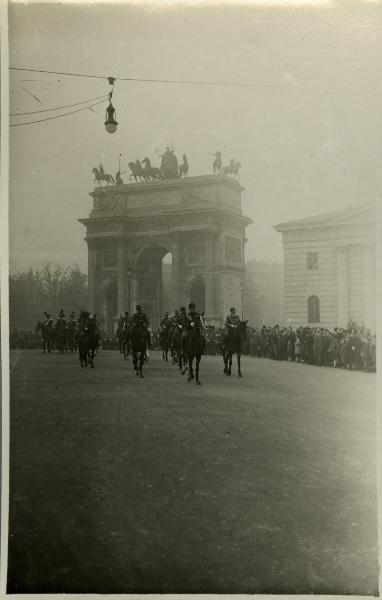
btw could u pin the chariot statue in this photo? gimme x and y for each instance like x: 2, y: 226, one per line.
x: 169, y: 164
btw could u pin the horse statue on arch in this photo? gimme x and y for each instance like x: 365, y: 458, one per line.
x: 217, y: 164
x: 183, y: 168
x: 100, y: 175
x: 149, y: 171
x: 232, y: 169
x: 137, y: 171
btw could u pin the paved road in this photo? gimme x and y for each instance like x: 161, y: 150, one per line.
x: 260, y: 484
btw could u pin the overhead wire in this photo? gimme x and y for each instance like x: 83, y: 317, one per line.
x: 33, y: 112
x: 58, y: 116
x: 143, y: 80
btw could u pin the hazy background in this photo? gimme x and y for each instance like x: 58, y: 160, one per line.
x: 308, y: 136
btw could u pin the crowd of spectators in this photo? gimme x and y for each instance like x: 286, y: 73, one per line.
x: 350, y: 348
x: 24, y: 339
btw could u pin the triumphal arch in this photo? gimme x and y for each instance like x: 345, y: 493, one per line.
x: 163, y: 244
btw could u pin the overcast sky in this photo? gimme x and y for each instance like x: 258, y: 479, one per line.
x: 308, y: 136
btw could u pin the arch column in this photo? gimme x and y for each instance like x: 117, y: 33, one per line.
x: 92, y: 250
x: 209, y: 273
x: 175, y: 271
x: 121, y: 282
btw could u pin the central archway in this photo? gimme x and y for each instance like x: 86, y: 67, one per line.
x: 110, y: 307
x: 153, y: 274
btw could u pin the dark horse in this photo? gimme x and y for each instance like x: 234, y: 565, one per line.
x: 232, y: 343
x: 164, y: 342
x: 88, y: 338
x: 193, y: 346
x: 72, y: 336
x: 47, y: 335
x: 61, y: 335
x: 178, y: 340
x: 139, y: 342
x: 123, y: 340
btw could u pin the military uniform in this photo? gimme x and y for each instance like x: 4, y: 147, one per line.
x: 232, y: 320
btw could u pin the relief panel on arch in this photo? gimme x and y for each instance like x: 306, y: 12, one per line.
x: 196, y: 254
x: 232, y: 251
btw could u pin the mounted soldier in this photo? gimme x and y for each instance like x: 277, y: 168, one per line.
x: 61, y: 330
x: 194, y: 342
x: 164, y: 336
x: 140, y: 339
x: 72, y: 332
x: 232, y: 341
x: 232, y: 320
x: 139, y: 318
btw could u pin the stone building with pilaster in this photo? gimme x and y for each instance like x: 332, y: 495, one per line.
x: 198, y: 221
x: 329, y: 268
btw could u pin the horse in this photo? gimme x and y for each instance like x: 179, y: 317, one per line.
x: 88, y: 339
x: 178, y: 339
x: 99, y: 176
x: 164, y: 342
x: 139, y: 341
x: 232, y: 343
x: 232, y: 169
x: 149, y: 171
x: 122, y: 335
x: 137, y: 171
x: 61, y: 335
x: 47, y: 335
x: 71, y: 336
x: 171, y: 334
x: 183, y: 168
x: 193, y: 346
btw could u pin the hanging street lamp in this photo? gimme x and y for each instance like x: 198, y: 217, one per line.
x: 111, y: 124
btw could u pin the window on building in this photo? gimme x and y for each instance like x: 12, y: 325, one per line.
x: 313, y: 309
x: 312, y: 260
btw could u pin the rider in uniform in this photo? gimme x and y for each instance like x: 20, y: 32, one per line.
x: 194, y: 321
x: 61, y: 316
x: 182, y: 322
x: 232, y: 320
x: 140, y: 320
x: 165, y: 322
x: 181, y: 317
